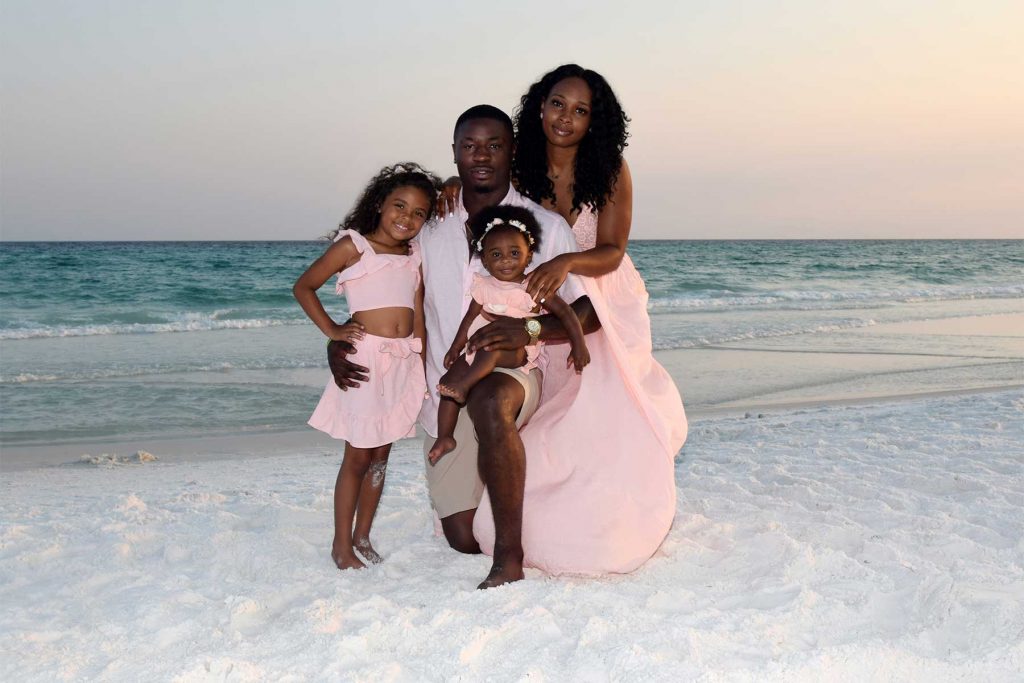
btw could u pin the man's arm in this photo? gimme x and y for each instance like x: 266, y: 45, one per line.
x: 508, y: 334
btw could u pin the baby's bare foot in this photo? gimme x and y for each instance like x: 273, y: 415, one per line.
x: 441, y: 447
x: 345, y: 558
x: 367, y: 551
x: 453, y: 392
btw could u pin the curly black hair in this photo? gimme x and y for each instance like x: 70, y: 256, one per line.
x: 505, y: 214
x: 363, y: 216
x: 599, y: 158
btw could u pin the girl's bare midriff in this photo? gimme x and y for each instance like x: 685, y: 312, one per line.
x: 393, y: 322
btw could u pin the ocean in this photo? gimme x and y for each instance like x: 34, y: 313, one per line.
x: 107, y: 340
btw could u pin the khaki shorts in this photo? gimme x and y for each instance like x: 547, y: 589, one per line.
x: 454, y: 482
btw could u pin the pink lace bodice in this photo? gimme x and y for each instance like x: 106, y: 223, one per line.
x: 585, y: 228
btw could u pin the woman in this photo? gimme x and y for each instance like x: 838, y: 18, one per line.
x: 600, y: 487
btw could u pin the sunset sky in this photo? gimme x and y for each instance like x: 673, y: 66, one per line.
x: 263, y: 120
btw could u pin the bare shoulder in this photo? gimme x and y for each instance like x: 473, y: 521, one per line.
x: 344, y: 252
x: 623, y: 190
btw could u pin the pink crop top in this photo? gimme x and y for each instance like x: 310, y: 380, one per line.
x: 379, y: 280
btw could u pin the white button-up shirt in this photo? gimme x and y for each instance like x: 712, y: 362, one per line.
x: 448, y: 272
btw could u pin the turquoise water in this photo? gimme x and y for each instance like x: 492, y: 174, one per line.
x: 101, y: 340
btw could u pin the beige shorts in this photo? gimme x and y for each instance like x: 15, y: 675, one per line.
x: 454, y: 482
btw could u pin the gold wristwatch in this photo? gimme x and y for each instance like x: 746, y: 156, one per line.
x: 533, y: 329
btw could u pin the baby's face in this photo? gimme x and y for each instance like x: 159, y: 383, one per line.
x: 506, y: 254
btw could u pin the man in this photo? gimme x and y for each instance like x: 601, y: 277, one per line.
x: 501, y: 403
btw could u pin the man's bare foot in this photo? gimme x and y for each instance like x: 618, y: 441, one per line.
x: 500, y: 575
x: 345, y: 558
x: 367, y: 551
x: 441, y: 447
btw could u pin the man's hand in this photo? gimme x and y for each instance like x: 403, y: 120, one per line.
x: 503, y: 334
x: 346, y: 374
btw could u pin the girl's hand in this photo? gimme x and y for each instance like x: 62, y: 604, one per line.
x: 448, y: 198
x: 578, y: 356
x: 350, y: 332
x: 545, y: 280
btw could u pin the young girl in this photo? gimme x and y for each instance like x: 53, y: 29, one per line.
x: 379, y: 271
x: 504, y: 238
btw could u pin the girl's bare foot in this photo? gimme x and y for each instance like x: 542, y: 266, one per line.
x: 367, y: 551
x: 345, y: 558
x: 441, y: 447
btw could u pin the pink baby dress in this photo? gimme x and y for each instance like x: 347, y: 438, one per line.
x: 502, y: 298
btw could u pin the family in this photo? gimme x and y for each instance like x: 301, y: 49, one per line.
x: 521, y: 345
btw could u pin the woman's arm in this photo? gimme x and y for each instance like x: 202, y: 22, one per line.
x: 338, y: 256
x: 613, y: 225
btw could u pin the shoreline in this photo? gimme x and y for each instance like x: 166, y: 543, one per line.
x: 887, y: 362
x: 307, y: 441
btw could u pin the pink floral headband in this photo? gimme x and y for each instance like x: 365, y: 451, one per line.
x: 518, y: 225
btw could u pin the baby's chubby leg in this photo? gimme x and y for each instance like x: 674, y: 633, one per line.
x: 461, y: 376
x: 447, y: 417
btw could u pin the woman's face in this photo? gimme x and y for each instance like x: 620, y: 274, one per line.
x: 565, y: 113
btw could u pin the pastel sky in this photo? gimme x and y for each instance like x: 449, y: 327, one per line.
x: 263, y: 120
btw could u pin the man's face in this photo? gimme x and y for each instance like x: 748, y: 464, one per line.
x: 483, y: 154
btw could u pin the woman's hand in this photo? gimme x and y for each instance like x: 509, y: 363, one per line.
x: 350, y: 332
x: 544, y: 281
x: 448, y: 198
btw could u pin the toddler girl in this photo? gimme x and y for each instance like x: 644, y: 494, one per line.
x: 504, y: 237
x: 379, y: 271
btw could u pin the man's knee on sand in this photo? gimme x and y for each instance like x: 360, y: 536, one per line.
x: 458, y: 531
x: 494, y: 404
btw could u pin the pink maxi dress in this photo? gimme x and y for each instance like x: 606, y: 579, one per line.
x: 600, y: 450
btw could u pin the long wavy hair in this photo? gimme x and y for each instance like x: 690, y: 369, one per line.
x: 599, y: 157
x: 364, y: 215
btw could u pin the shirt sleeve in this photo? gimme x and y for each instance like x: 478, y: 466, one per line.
x: 478, y: 289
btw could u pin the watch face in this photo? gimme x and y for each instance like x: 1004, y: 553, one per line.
x: 532, y: 327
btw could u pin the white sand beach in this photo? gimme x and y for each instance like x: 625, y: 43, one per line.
x: 851, y: 508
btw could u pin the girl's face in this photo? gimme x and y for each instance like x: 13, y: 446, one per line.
x: 506, y: 254
x: 565, y: 113
x: 403, y: 213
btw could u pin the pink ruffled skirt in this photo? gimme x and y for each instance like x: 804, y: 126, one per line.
x: 385, y: 408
